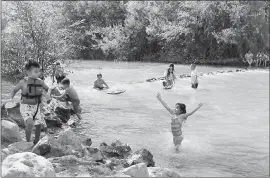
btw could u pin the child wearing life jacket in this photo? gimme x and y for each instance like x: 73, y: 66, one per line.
x: 99, y: 83
x: 179, y: 115
x: 31, y: 90
x: 71, y: 95
x: 194, y: 76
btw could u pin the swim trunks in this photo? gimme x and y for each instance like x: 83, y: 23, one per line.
x: 29, y: 111
x: 194, y: 85
x: 177, y: 139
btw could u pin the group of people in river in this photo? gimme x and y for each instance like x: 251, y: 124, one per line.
x: 260, y: 60
x: 33, y: 92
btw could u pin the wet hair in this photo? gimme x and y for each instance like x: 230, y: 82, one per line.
x: 99, y: 74
x: 57, y: 63
x: 168, y: 70
x: 65, y: 81
x: 31, y: 63
x: 182, y: 107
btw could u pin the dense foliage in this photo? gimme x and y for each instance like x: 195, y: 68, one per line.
x: 179, y: 31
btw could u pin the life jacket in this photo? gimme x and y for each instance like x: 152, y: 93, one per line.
x: 33, y: 93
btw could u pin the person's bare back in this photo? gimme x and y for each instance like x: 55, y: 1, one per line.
x: 73, y: 95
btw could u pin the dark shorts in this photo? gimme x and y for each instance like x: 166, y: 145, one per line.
x: 194, y: 85
x: 99, y: 87
x: 59, y: 78
x: 167, y: 83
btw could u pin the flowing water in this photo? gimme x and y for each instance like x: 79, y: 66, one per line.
x: 228, y: 136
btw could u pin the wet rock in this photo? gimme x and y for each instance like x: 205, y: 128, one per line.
x: 53, y: 121
x: 162, y: 172
x: 116, y: 149
x: 87, y: 142
x: 63, y: 114
x: 73, y: 121
x: 68, y: 137
x: 3, y: 111
x: 230, y: 71
x: 10, y: 132
x: 14, y: 114
x: 138, y: 170
x: 100, y: 171
x: 47, y: 145
x: 27, y: 164
x: 141, y: 156
x: 95, y: 153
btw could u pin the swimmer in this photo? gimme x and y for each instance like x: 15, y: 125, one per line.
x: 194, y: 76
x: 99, y: 83
x: 169, y: 76
x: 179, y: 115
x: 71, y: 95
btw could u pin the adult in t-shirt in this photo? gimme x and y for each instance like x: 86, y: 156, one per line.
x: 249, y: 58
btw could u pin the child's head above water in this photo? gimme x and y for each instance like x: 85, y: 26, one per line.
x: 180, y: 108
x: 99, y: 76
x: 193, y: 66
x: 32, y: 68
x: 65, y: 83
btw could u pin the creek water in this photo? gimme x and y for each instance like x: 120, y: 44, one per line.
x: 228, y: 136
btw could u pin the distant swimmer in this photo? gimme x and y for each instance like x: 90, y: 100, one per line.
x: 249, y: 58
x: 179, y: 115
x: 169, y: 76
x: 194, y: 76
x: 100, y: 83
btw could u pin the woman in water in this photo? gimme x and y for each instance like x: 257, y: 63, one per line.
x: 179, y: 115
x: 169, y: 76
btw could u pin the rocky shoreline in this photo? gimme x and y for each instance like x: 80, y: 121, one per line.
x: 60, y: 152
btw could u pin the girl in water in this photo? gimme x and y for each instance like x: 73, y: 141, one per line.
x: 169, y: 76
x: 179, y: 115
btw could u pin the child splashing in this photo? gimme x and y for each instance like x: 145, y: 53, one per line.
x: 179, y: 115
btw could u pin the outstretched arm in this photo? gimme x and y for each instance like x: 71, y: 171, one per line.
x: 164, y: 104
x: 15, y: 89
x: 61, y: 96
x: 105, y: 84
x: 192, y: 112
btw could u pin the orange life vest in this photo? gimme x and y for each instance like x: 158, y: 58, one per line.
x: 33, y: 93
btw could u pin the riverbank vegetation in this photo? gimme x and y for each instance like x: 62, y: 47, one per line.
x: 205, y: 32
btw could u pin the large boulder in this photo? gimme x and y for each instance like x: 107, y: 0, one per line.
x: 48, y: 145
x: 10, y: 132
x: 162, y: 172
x: 27, y: 164
x: 63, y: 113
x: 141, y: 156
x: 14, y: 114
x: 116, y: 149
x: 17, y: 147
x: 138, y: 170
x: 68, y: 137
x: 94, y: 153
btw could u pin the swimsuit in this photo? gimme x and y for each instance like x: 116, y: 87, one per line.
x: 176, y: 126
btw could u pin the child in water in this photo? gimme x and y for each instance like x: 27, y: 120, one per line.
x: 32, y: 88
x: 169, y: 76
x: 179, y: 115
x: 194, y: 76
x: 99, y: 83
x: 71, y: 95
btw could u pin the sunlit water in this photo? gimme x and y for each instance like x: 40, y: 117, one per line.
x: 228, y: 136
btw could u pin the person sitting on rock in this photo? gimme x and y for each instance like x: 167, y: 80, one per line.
x: 99, y: 83
x: 71, y: 95
x: 32, y: 88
